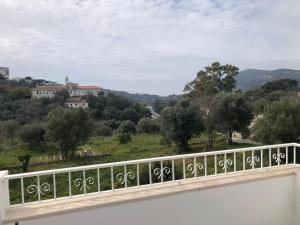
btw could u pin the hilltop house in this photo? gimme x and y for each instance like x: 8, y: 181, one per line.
x: 4, y: 72
x: 75, y: 90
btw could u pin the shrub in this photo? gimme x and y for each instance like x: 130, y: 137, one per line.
x: 103, y: 130
x: 127, y: 126
x: 147, y: 125
x: 130, y: 114
x: 124, y: 138
x: 279, y: 124
x: 32, y: 134
x: 9, y: 128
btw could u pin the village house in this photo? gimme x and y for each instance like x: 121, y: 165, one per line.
x: 76, y: 103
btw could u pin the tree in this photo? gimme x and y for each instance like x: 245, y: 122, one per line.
x: 68, y: 128
x: 213, y: 79
x: 24, y: 159
x: 259, y: 106
x: 208, y: 83
x: 125, y: 130
x: 181, y: 122
x: 280, y: 85
x: 103, y: 130
x: 280, y: 123
x: 231, y: 112
x: 32, y: 134
x: 127, y: 126
x: 147, y: 125
x: 130, y: 114
x: 124, y: 138
x: 9, y: 128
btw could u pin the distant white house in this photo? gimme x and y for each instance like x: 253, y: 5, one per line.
x: 4, y: 72
x: 76, y: 103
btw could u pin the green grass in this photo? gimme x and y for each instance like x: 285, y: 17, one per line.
x: 141, y: 146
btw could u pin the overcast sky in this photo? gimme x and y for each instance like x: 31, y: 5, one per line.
x: 145, y: 46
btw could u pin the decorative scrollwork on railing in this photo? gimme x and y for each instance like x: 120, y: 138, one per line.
x: 125, y: 177
x: 225, y: 163
x: 84, y: 183
x: 253, y: 161
x: 194, y: 168
x: 159, y: 172
x: 278, y: 157
x: 42, y: 189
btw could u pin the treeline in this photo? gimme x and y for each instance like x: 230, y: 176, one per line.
x: 210, y: 104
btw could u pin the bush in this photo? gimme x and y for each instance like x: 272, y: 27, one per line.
x: 279, y: 124
x: 130, y: 114
x: 32, y: 134
x: 9, y: 128
x: 103, y: 130
x: 127, y: 126
x: 147, y: 125
x: 124, y: 138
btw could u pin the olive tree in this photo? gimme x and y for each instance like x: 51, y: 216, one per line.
x: 181, y: 122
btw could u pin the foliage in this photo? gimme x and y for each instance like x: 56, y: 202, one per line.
x: 68, y: 128
x: 24, y: 159
x: 9, y: 128
x: 130, y: 114
x: 280, y: 85
x: 259, y: 106
x: 280, y: 123
x: 209, y: 82
x: 181, y: 122
x: 32, y: 134
x: 273, y: 90
x: 103, y: 130
x: 213, y: 79
x: 231, y: 112
x: 124, y: 138
x: 127, y: 126
x: 147, y: 125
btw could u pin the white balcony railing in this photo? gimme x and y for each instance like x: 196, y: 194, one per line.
x: 51, y: 185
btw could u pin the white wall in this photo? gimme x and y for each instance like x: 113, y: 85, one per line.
x: 265, y: 202
x: 296, y: 199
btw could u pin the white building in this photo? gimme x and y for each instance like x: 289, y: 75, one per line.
x: 76, y: 103
x: 75, y: 90
x: 4, y: 72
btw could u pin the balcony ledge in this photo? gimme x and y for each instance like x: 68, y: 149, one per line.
x: 92, y: 201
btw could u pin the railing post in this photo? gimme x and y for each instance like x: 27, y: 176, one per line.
x: 4, y: 194
x: 295, y: 155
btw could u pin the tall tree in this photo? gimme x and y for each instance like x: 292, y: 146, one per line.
x: 213, y: 79
x: 181, y: 122
x: 231, y: 112
x: 209, y: 82
x: 68, y: 128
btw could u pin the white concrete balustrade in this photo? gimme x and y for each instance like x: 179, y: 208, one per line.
x: 256, y: 185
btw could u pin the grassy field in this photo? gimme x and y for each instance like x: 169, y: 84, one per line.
x: 141, y: 146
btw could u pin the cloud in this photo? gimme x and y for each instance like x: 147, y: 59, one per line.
x: 149, y: 46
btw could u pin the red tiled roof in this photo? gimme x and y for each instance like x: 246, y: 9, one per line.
x: 75, y: 100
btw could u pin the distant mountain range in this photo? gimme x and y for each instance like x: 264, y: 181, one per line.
x: 251, y: 78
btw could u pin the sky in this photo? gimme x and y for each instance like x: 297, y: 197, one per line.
x: 145, y: 46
